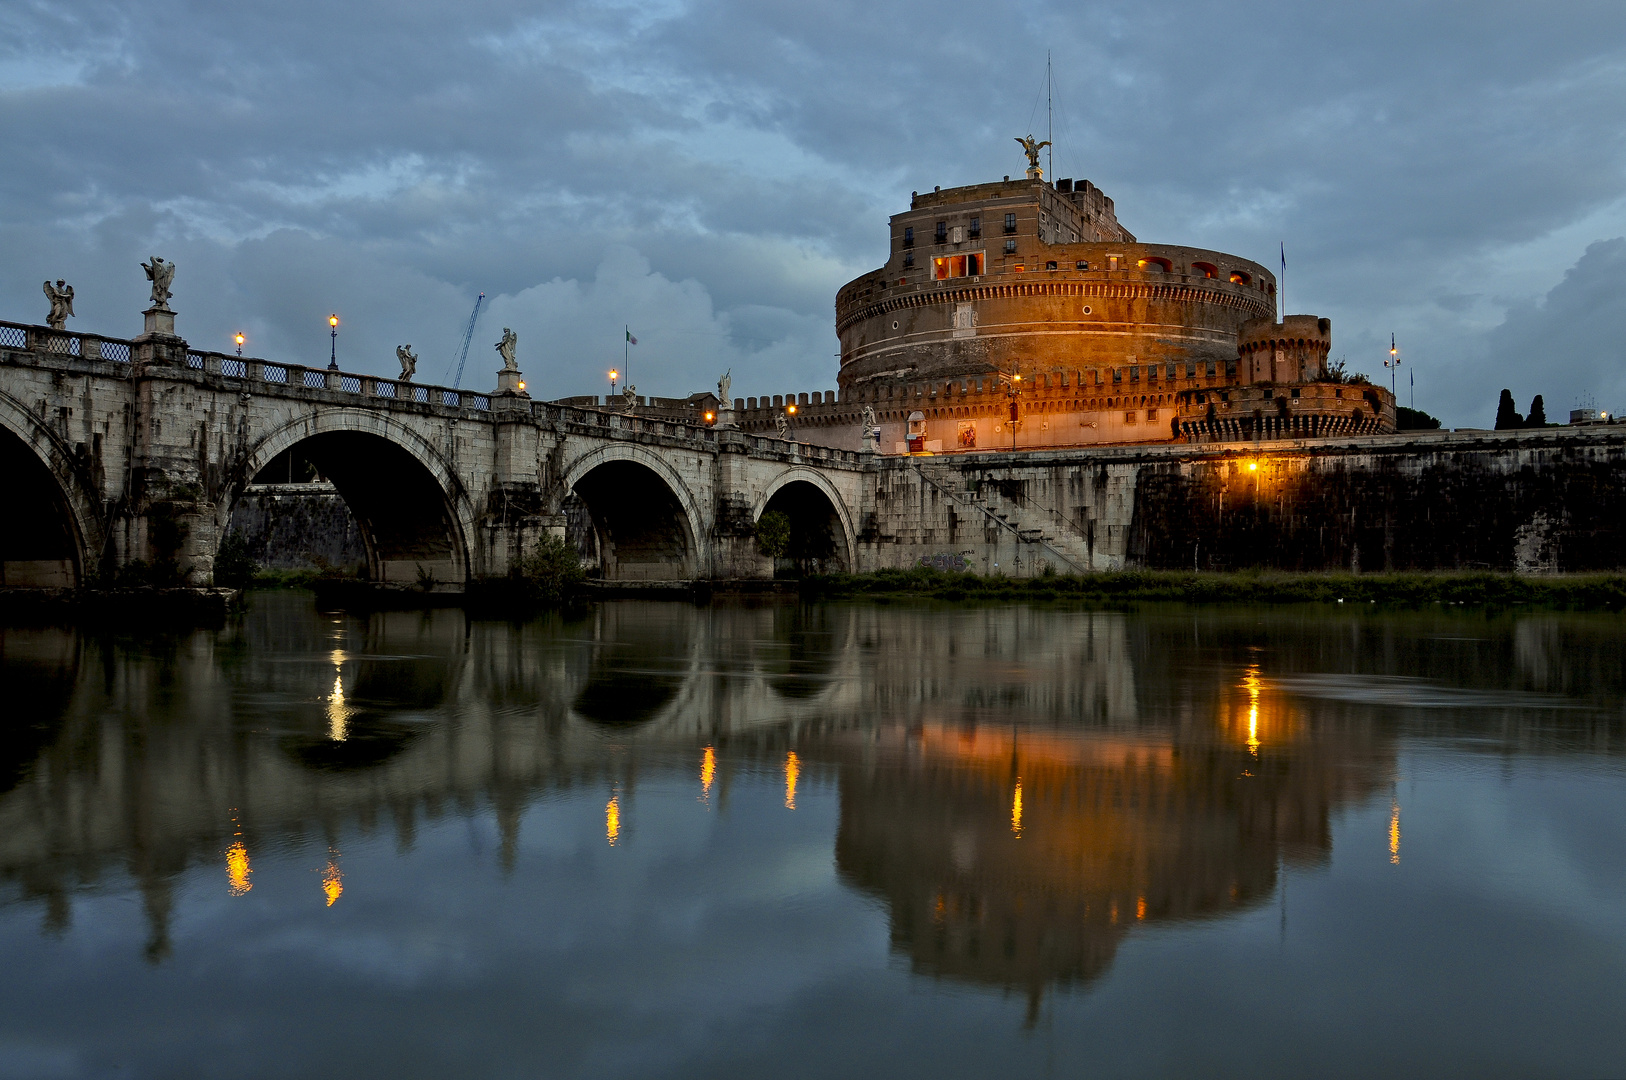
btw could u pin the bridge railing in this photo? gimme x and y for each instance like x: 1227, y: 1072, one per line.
x: 634, y: 424
x: 246, y: 369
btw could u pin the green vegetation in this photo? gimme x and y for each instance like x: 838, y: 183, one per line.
x: 549, y: 575
x: 773, y: 534
x: 1577, y: 591
x: 1415, y: 420
x: 234, y: 567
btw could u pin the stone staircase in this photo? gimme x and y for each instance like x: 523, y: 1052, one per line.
x: 1042, y: 533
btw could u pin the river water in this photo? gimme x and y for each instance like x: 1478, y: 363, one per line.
x: 833, y: 840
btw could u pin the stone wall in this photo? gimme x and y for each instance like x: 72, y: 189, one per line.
x: 295, y: 526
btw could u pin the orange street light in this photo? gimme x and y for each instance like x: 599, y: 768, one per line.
x: 522, y: 384
x: 333, y: 351
x: 239, y: 339
x: 613, y: 376
x: 791, y: 410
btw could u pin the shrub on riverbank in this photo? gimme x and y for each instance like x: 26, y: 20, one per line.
x: 1577, y: 591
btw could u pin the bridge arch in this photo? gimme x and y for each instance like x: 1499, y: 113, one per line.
x: 411, y: 507
x: 646, y: 520
x: 812, y: 503
x: 52, y: 531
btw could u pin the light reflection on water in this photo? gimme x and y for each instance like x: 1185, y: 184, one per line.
x: 1160, y: 842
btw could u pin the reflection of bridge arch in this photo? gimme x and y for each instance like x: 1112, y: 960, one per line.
x: 648, y: 522
x: 840, y: 517
x: 411, y: 507
x: 53, y: 527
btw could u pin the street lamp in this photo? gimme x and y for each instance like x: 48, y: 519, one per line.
x: 1013, y: 390
x: 333, y: 353
x: 790, y: 416
x: 239, y: 340
x: 614, y: 374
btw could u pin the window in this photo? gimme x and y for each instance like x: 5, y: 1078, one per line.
x: 1155, y: 264
x: 976, y: 227
x: 1211, y: 369
x: 1174, y: 369
x: 1191, y: 369
x: 1010, y: 247
x: 1082, y: 265
x: 1010, y: 223
x: 1151, y: 372
x: 1134, y: 373
x: 1239, y: 278
x: 1151, y: 414
x: 1051, y: 265
x: 942, y: 231
x: 1117, y: 374
x: 1207, y: 270
x: 957, y: 266
x: 909, y: 237
x: 1295, y: 393
x: 908, y: 260
x: 1129, y: 417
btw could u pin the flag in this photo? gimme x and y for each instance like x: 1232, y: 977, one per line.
x: 630, y: 339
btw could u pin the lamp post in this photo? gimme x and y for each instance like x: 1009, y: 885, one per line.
x: 239, y: 340
x: 613, y: 375
x: 333, y: 353
x: 1393, y: 364
x: 1013, y: 390
x: 790, y: 422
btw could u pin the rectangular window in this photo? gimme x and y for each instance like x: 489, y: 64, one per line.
x: 942, y: 231
x: 1010, y: 247
x: 909, y: 260
x: 909, y: 237
x: 1191, y: 369
x: 1117, y: 374
x: 957, y: 266
x: 1174, y: 369
x: 1295, y: 393
x: 1211, y: 369
x: 1151, y: 414
x: 1082, y: 265
x: 1010, y: 223
x: 976, y: 227
x: 1151, y: 372
x: 1129, y: 417
x: 1134, y: 374
x: 1051, y: 265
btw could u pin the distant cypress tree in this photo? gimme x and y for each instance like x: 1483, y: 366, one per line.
x: 1538, y: 414
x: 1506, y: 415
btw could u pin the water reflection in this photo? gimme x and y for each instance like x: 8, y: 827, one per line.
x: 1019, y: 790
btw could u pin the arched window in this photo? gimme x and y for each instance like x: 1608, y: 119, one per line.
x: 1207, y: 270
x: 1239, y: 277
x: 1155, y: 264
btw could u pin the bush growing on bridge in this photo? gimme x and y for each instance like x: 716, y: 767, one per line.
x: 773, y: 534
x: 549, y: 574
x: 234, y: 567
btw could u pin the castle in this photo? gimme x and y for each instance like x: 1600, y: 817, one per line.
x: 1020, y: 315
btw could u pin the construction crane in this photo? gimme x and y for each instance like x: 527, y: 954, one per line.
x: 454, y: 380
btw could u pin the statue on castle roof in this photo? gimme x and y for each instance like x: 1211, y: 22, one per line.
x: 160, y: 273
x: 61, y: 297
x: 1031, y: 148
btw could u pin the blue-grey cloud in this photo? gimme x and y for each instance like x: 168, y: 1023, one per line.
x: 1434, y: 170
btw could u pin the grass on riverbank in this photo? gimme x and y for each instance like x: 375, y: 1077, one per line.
x: 1571, y: 591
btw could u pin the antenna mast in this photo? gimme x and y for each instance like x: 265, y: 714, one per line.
x: 1049, y: 118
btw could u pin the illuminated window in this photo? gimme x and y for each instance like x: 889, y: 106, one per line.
x: 957, y: 266
x: 1240, y: 278
x: 1154, y: 264
x: 1207, y: 270
x: 1010, y: 247
x: 1010, y: 223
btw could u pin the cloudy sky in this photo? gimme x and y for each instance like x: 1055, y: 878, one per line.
x: 711, y: 173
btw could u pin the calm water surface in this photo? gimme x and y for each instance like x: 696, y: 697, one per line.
x: 817, y: 841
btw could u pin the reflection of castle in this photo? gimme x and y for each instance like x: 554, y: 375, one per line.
x: 1023, y: 859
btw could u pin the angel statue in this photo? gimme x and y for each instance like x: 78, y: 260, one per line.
x: 505, y: 348
x: 629, y: 397
x: 160, y: 273
x: 869, y: 419
x: 61, y: 297
x: 723, y: 386
x: 782, y: 424
x: 1031, y: 148
x: 409, y: 362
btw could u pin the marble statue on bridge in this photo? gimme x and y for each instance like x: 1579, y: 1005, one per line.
x: 505, y: 349
x: 160, y: 273
x: 61, y: 297
x: 409, y: 362
x: 725, y: 384
x: 629, y: 396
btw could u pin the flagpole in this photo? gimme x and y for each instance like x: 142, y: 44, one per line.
x: 626, y: 352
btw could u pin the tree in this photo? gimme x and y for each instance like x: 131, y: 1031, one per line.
x: 1538, y: 413
x: 1507, y: 417
x: 1415, y: 420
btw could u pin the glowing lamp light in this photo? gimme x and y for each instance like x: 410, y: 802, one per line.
x: 333, y: 321
x: 710, y: 417
x: 1253, y: 466
x: 239, y: 339
x: 522, y: 384
x: 791, y: 409
x: 613, y: 374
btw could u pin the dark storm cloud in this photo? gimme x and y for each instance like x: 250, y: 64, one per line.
x: 712, y: 173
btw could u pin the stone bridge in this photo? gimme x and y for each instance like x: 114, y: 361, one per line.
x: 124, y: 451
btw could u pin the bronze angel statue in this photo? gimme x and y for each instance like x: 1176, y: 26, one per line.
x: 1031, y: 148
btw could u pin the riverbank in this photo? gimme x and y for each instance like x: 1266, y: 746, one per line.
x: 1575, y: 592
